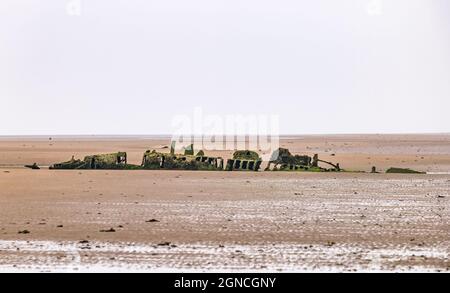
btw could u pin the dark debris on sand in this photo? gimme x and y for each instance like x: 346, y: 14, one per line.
x: 108, y: 230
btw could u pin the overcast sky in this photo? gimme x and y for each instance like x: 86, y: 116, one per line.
x: 128, y: 66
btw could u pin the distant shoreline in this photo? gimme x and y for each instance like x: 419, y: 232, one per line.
x: 168, y: 136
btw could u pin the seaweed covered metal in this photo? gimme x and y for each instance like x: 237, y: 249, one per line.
x: 103, y: 161
x: 283, y: 160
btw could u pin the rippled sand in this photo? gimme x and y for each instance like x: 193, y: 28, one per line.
x: 222, y: 221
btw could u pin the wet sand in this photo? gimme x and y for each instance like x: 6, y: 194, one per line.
x: 225, y: 221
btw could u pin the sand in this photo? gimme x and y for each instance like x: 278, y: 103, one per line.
x: 227, y: 221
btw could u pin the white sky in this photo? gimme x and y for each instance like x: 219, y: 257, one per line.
x: 128, y: 66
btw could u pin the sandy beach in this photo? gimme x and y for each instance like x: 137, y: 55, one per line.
x: 102, y: 220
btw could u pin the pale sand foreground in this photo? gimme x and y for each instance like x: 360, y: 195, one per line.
x: 226, y: 221
x: 223, y: 221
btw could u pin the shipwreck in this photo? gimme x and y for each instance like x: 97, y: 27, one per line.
x: 242, y: 160
x: 104, y: 161
x: 188, y: 161
x: 283, y: 160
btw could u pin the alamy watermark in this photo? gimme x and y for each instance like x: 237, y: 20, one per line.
x: 74, y: 7
x: 375, y: 7
x: 210, y: 132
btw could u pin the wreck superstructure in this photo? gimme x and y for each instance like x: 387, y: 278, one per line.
x: 188, y: 161
x: 283, y: 160
x: 244, y: 161
x: 155, y: 160
x: 104, y: 161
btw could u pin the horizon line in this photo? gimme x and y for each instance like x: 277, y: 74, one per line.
x: 207, y: 135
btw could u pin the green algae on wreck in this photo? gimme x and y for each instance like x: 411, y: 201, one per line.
x: 403, y: 171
